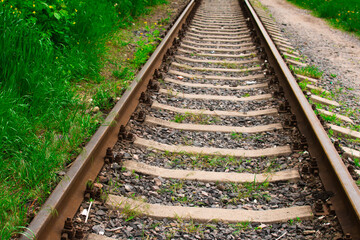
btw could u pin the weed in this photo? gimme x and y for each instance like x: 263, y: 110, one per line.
x: 123, y: 73
x: 130, y: 212
x: 294, y: 221
x: 190, y: 226
x: 309, y: 71
x: 179, y: 118
x: 172, y: 187
x: 292, y: 57
x: 333, y: 119
x: 27, y: 232
x: 250, y: 189
x: 241, y: 226
x: 202, y: 161
x: 257, y: 137
x: 103, y: 99
x: 145, y: 46
x: 322, y: 94
x: 183, y: 199
x: 195, y: 118
x: 231, y: 65
x: 290, y: 51
x: 167, y: 153
x: 169, y: 235
x: 303, y: 85
x: 54, y: 212
x: 154, y: 225
x: 187, y: 141
x: 273, y: 166
x: 164, y: 21
x: 236, y: 136
x: 210, y: 226
x: 357, y: 162
x: 176, y: 186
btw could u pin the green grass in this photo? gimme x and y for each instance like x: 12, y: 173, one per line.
x: 342, y: 14
x: 240, y: 227
x: 49, y: 50
x: 248, y: 189
x: 195, y: 118
x: 308, y: 71
x: 201, y: 161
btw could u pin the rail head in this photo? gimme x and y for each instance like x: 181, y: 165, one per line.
x: 333, y: 171
x: 49, y: 221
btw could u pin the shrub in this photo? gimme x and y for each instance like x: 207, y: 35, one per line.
x: 46, y: 46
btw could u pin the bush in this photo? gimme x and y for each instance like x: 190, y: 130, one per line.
x: 46, y: 46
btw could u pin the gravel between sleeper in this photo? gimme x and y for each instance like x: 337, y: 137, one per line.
x: 131, y: 225
x: 213, y: 91
x: 269, y: 139
x: 223, y: 46
x: 219, y: 82
x: 252, y: 56
x: 214, y: 120
x: 215, y: 104
x: 218, y: 65
x: 217, y: 52
x: 224, y: 74
x: 120, y: 226
x: 188, y: 161
x: 172, y: 192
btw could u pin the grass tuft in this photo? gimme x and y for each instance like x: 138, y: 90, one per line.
x: 308, y: 71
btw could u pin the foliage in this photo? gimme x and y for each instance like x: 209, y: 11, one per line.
x: 145, y: 46
x: 357, y: 162
x: 342, y: 14
x: 47, y: 47
x: 127, y: 10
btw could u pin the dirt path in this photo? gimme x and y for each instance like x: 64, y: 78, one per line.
x: 333, y: 51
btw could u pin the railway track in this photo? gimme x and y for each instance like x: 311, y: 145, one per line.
x: 213, y: 142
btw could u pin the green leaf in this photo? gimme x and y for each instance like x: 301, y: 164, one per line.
x: 57, y: 16
x: 64, y: 12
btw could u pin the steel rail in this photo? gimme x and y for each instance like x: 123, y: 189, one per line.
x: 66, y: 198
x: 333, y: 172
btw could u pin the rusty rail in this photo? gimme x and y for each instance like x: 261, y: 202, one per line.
x: 333, y: 172
x: 68, y: 195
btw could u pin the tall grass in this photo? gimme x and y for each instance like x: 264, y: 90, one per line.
x: 342, y: 14
x: 46, y: 46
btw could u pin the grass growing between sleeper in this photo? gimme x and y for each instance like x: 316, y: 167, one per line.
x: 52, y: 54
x: 203, y: 161
x: 308, y: 71
x: 195, y: 118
